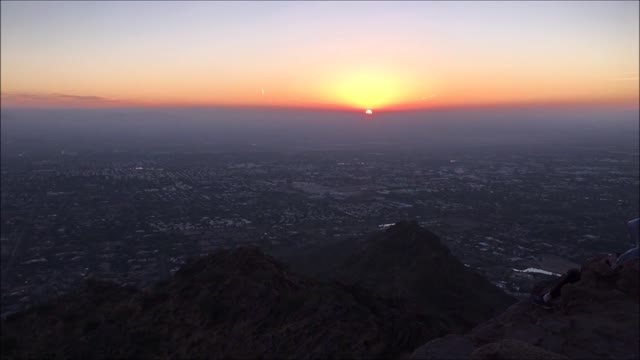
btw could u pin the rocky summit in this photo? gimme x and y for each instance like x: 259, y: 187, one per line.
x: 409, y: 262
x: 397, y: 294
x: 595, y: 318
x: 231, y: 304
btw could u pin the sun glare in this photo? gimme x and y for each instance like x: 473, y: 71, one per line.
x: 369, y: 112
x: 368, y: 90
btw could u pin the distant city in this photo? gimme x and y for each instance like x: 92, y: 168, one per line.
x: 510, y: 213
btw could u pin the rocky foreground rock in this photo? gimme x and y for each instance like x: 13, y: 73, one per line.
x: 595, y: 318
x: 410, y: 263
x: 403, y: 295
x: 232, y: 304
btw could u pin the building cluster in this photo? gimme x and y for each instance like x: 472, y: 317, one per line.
x: 136, y: 220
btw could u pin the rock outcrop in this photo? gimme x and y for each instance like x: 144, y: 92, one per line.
x: 409, y: 262
x: 595, y: 318
x: 231, y: 304
x: 400, y: 289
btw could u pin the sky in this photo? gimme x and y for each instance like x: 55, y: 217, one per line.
x: 336, y: 55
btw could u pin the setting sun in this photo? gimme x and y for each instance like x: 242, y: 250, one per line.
x: 161, y: 152
x: 369, y: 89
x: 350, y: 65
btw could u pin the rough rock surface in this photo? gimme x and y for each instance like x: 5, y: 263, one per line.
x: 407, y: 289
x: 411, y: 263
x: 449, y: 347
x: 513, y: 349
x: 595, y: 318
x: 231, y: 304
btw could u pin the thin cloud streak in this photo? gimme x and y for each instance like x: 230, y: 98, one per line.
x: 83, y: 97
x: 34, y: 98
x: 629, y: 78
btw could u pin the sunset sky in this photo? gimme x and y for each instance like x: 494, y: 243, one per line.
x: 339, y: 55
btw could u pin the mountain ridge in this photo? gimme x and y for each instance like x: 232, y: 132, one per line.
x: 231, y: 304
x: 408, y: 261
x: 398, y: 293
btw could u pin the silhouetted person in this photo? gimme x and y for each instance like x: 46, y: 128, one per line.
x: 573, y: 275
x: 634, y: 228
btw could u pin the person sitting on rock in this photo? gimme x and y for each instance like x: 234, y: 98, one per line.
x: 573, y: 275
x: 634, y: 228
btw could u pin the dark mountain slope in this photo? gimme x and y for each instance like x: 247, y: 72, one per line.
x: 395, y: 291
x: 231, y: 304
x: 409, y: 262
x: 595, y: 318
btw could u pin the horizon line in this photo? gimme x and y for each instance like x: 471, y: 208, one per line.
x: 344, y: 109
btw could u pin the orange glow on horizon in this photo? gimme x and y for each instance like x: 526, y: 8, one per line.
x: 358, y: 90
x: 343, y: 89
x: 18, y: 101
x: 379, y: 55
